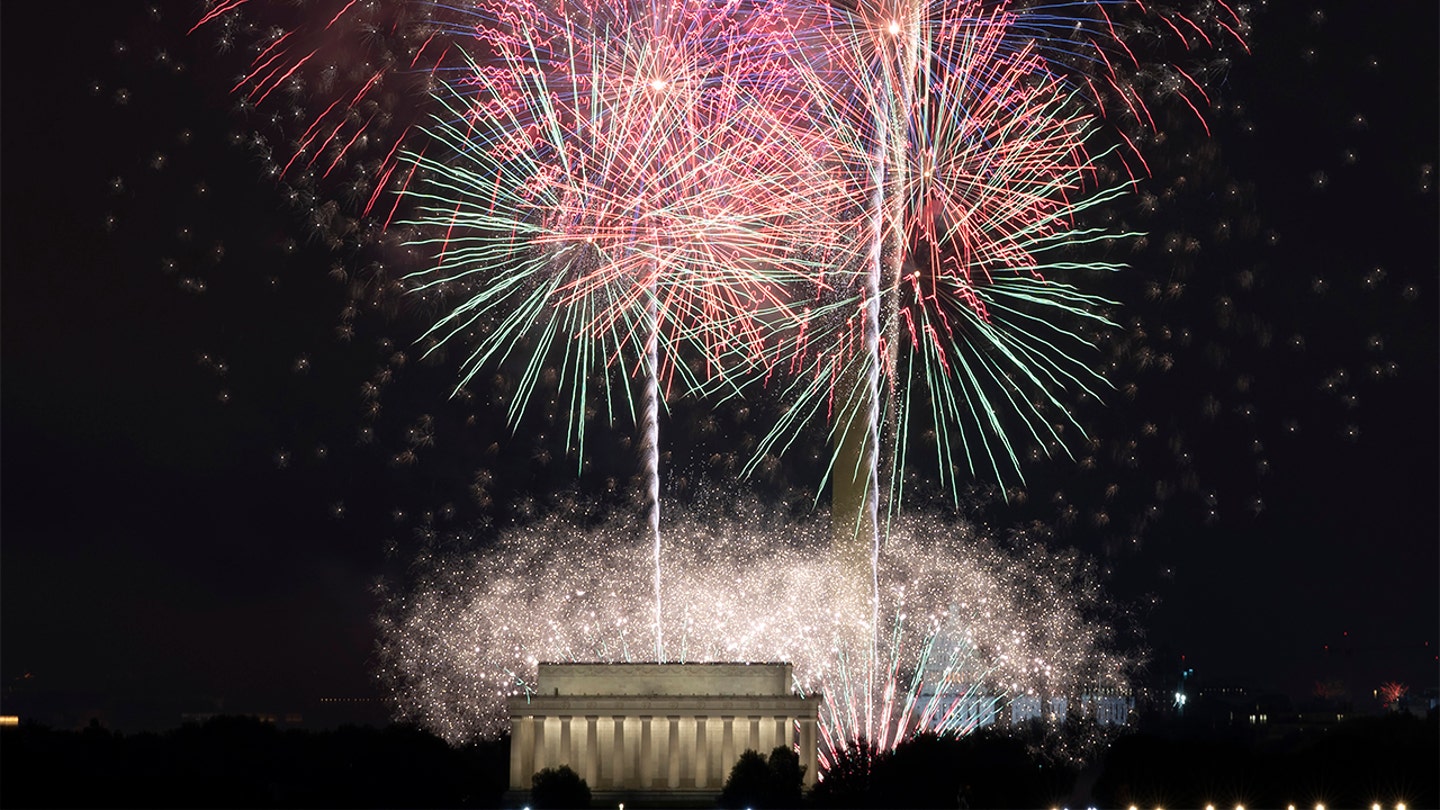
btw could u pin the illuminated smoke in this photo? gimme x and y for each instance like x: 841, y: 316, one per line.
x: 956, y: 610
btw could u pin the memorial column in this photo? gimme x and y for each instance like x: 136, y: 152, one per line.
x: 702, y: 751
x: 647, y: 752
x: 566, y: 755
x: 541, y: 760
x: 592, y: 751
x: 521, y: 752
x: 672, y: 752
x: 618, y: 769
x: 727, y: 744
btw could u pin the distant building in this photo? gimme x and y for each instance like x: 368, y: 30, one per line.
x: 1106, y: 710
x: 953, y: 690
x: 664, y: 731
x: 1024, y: 708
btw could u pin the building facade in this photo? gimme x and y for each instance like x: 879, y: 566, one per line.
x: 658, y: 728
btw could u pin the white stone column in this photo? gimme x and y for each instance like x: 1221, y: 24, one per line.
x: 567, y: 745
x: 635, y: 764
x: 541, y: 759
x: 521, y: 752
x: 714, y: 742
x: 753, y: 735
x: 687, y: 752
x: 533, y: 751
x: 765, y: 732
x: 702, y: 751
x: 618, y: 771
x: 592, y: 751
x: 728, y: 754
x: 552, y: 743
x: 647, y: 752
x: 672, y: 752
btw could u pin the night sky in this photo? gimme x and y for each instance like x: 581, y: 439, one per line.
x: 208, y: 462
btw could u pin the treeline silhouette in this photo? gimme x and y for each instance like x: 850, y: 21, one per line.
x: 1360, y: 762
x: 1386, y: 760
x: 243, y: 762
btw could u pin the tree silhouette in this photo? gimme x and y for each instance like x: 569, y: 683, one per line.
x: 848, y: 780
x: 757, y: 783
x: 555, y: 788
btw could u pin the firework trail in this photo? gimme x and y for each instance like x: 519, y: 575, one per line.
x: 967, y: 622
x: 620, y: 186
x: 651, y: 450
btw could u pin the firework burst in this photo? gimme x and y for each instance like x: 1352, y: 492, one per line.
x: 621, y: 185
x: 616, y: 176
x: 962, y: 324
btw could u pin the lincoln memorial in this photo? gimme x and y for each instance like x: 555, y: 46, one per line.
x: 671, y: 729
